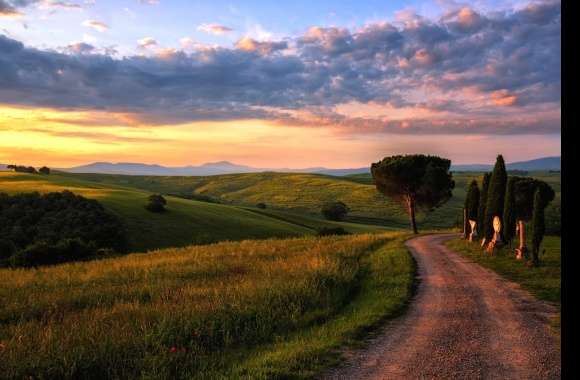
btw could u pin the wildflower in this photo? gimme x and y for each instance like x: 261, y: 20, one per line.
x: 173, y: 349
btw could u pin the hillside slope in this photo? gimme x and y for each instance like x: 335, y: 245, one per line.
x: 186, y: 222
x: 305, y: 194
x: 299, y: 192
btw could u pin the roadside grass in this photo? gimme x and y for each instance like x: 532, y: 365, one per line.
x: 544, y: 282
x: 383, y: 294
x: 251, y: 309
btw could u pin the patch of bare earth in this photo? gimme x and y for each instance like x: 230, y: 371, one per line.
x: 465, y: 322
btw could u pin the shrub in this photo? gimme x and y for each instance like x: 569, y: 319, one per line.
x: 156, y: 203
x: 44, y: 253
x: 261, y: 205
x: 334, y: 210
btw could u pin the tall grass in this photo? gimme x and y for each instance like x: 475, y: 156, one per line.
x: 176, y: 313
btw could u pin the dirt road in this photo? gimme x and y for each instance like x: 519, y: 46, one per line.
x: 465, y: 322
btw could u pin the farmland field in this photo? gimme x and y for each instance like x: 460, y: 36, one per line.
x: 258, y: 309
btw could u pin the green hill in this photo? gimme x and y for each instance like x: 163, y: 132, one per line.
x: 186, y: 222
x: 305, y: 194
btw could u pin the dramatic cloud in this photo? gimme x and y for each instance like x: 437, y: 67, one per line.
x: 466, y: 72
x: 11, y: 8
x: 214, y: 29
x: 97, y: 25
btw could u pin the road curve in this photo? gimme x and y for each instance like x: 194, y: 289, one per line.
x: 465, y: 322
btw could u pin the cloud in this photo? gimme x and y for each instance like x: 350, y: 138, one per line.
x: 214, y: 29
x: 80, y: 48
x: 61, y: 4
x: 147, y: 42
x: 7, y: 9
x: 465, y: 72
x: 11, y: 8
x: 267, y: 47
x: 97, y: 25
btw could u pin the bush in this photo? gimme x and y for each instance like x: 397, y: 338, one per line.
x: 43, y: 253
x: 156, y: 203
x: 55, y: 227
x: 327, y: 231
x: 44, y: 170
x: 261, y: 205
x: 334, y: 210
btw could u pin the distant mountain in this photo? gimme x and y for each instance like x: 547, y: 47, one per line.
x: 210, y: 168
x: 538, y: 164
x: 226, y: 167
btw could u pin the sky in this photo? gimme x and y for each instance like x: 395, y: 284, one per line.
x: 278, y: 84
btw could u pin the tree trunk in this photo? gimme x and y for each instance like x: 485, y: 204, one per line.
x: 522, y: 248
x: 411, y: 209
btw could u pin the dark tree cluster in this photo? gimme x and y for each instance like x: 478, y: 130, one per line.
x: 156, y: 203
x: 515, y: 200
x: 53, y: 228
x: 22, y: 169
x: 29, y: 169
x: 334, y: 210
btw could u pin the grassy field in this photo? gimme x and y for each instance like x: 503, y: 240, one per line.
x: 187, y: 221
x: 544, y: 281
x: 305, y: 193
x: 252, y: 309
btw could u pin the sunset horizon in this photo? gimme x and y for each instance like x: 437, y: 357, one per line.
x: 85, y: 81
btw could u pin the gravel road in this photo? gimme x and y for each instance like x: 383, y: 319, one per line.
x: 465, y: 322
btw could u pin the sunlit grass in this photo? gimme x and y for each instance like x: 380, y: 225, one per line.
x: 190, y: 312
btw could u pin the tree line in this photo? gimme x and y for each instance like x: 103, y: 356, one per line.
x: 29, y: 169
x: 56, y: 227
x: 515, y: 200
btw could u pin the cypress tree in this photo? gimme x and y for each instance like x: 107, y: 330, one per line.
x: 495, y: 196
x: 483, y: 203
x: 471, y: 205
x: 538, y: 226
x: 472, y: 200
x: 509, y: 212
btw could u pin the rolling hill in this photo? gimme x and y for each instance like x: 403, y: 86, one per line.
x: 300, y: 193
x: 304, y: 194
x: 186, y: 222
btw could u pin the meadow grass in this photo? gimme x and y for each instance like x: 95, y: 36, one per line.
x: 254, y: 309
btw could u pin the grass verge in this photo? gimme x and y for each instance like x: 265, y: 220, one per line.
x: 384, y: 294
x: 544, y: 282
